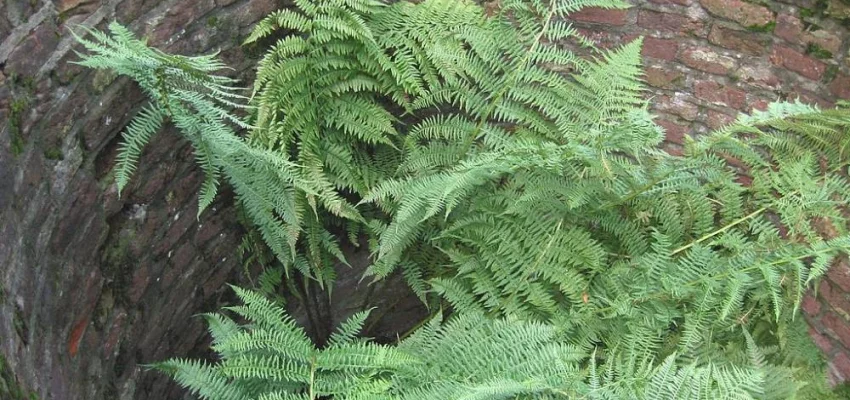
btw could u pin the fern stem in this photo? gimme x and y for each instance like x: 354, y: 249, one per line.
x: 719, y: 231
x: 312, y: 393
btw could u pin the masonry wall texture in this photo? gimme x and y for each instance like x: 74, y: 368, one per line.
x: 93, y: 285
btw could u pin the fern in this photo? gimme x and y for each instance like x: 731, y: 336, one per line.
x: 516, y: 182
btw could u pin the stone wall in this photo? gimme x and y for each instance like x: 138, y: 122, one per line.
x: 708, y: 60
x: 93, y: 285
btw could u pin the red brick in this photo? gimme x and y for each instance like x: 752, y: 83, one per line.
x: 670, y: 22
x: 663, y: 78
x: 841, y: 364
x: 664, y: 49
x: 760, y: 104
x: 600, y: 16
x: 810, y: 305
x: 719, y: 94
x: 835, y: 298
x: 676, y: 105
x: 839, y: 274
x: 840, y: 87
x: 810, y: 98
x: 717, y: 119
x: 746, y: 14
x: 837, y: 327
x: 790, y: 28
x: 823, y: 342
x: 673, y: 149
x: 705, y: 59
x: 825, y: 228
x: 743, y: 41
x: 798, y: 62
x: 673, y: 132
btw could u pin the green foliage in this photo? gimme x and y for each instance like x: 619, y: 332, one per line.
x: 182, y: 89
x: 516, y: 182
x: 469, y: 357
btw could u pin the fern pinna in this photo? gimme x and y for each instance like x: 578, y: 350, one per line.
x: 517, y: 184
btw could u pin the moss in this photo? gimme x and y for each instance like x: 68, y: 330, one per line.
x: 768, y: 27
x: 16, y: 111
x: 814, y: 50
x: 806, y: 12
x: 54, y: 153
x: 212, y: 22
x: 830, y: 73
x: 9, y: 387
x: 102, y: 78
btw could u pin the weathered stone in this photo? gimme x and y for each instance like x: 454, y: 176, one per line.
x: 663, y: 78
x: 758, y: 75
x: 743, y: 41
x: 840, y: 87
x: 678, y: 105
x: 676, y: 23
x: 673, y: 132
x: 746, y: 14
x: 821, y: 341
x: 600, y: 16
x: 795, y: 61
x: 722, y: 95
x: 664, y: 49
x: 705, y: 59
x: 810, y: 305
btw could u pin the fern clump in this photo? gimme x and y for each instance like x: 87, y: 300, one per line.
x: 519, y: 189
x: 471, y: 356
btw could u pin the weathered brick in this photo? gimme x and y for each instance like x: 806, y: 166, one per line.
x: 600, y: 16
x: 664, y: 49
x: 810, y: 98
x: 760, y: 76
x: 837, y: 327
x: 676, y: 105
x: 673, y: 132
x: 670, y: 22
x: 743, y: 41
x: 790, y: 28
x: 717, y: 119
x: 820, y: 340
x: 810, y: 305
x: 705, y: 59
x: 841, y: 364
x: 718, y: 94
x: 839, y: 274
x: 663, y: 78
x: 746, y: 14
x: 760, y: 104
x: 798, y: 62
x: 835, y: 298
x: 840, y: 87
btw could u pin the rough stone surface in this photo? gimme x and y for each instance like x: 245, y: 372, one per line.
x: 93, y: 285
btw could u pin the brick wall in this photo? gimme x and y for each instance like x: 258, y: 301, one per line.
x: 708, y: 60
